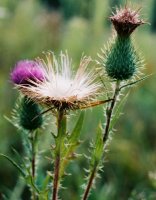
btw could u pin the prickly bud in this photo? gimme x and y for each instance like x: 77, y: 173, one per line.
x: 122, y: 60
x: 30, y: 118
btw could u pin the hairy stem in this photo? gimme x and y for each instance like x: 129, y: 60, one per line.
x: 89, y: 185
x: 33, y: 162
x: 61, y: 131
x: 109, y: 111
x: 56, y: 178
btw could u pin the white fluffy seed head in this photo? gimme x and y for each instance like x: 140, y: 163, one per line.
x: 60, y: 87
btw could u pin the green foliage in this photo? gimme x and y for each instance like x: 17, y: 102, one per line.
x: 95, y: 162
x: 97, y: 148
x: 121, y: 59
x: 71, y: 142
x: 118, y: 111
x: 14, y: 164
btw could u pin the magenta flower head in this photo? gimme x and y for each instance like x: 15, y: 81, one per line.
x: 26, y: 71
x: 126, y: 20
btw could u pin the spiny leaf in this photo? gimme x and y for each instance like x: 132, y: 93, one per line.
x: 95, y: 161
x: 14, y: 164
x: 19, y: 157
x: 72, y: 143
x: 135, y: 82
x: 98, y: 148
x: 43, y: 196
x: 118, y: 111
x: 77, y: 129
x: 29, y: 179
x: 45, y: 182
x: 61, y: 135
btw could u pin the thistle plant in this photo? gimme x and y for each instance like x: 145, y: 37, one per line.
x: 121, y: 64
x: 51, y: 84
x: 25, y: 114
x: 61, y: 92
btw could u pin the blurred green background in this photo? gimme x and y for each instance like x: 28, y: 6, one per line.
x: 29, y: 27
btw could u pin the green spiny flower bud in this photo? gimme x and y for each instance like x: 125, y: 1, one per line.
x: 122, y: 60
x: 30, y: 118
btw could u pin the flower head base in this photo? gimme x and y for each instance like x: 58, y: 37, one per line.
x: 125, y: 21
x: 26, y: 71
x: 60, y: 88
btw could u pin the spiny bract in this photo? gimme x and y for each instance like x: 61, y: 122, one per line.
x: 122, y: 60
x: 30, y: 118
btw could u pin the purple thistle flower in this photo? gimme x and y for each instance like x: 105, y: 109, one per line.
x: 26, y: 71
x: 126, y: 20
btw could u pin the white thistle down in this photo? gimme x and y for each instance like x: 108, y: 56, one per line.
x: 60, y: 88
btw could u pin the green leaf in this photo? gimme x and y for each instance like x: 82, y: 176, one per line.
x: 17, y: 191
x: 45, y: 188
x: 18, y: 156
x: 98, y: 148
x: 118, y: 111
x: 30, y: 181
x: 61, y: 135
x: 135, y: 82
x: 72, y: 142
x: 95, y: 160
x: 43, y: 196
x: 77, y: 129
x: 14, y: 164
x: 46, y: 182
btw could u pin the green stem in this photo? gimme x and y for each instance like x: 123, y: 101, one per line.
x: 56, y: 178
x: 89, y: 185
x: 109, y: 111
x: 33, y: 162
x: 61, y: 127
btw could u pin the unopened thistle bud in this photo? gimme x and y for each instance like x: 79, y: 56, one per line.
x: 30, y: 118
x: 121, y: 58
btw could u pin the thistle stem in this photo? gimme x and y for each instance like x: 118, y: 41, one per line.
x: 89, y: 185
x: 61, y: 131
x: 56, y: 178
x: 109, y: 111
x: 33, y: 162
